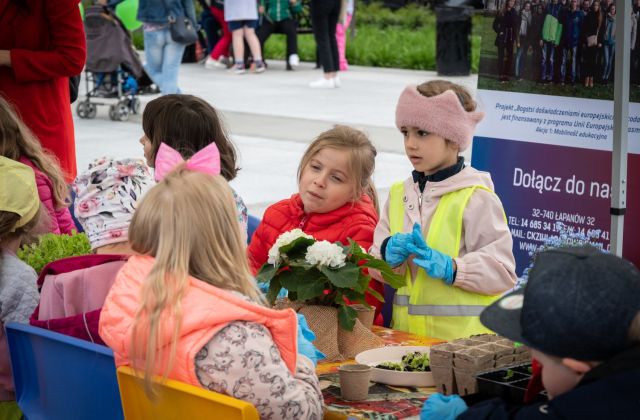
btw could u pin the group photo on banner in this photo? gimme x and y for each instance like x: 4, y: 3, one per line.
x: 546, y: 82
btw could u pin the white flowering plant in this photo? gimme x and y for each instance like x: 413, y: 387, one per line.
x: 323, y: 273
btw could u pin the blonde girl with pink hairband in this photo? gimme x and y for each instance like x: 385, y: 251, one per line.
x: 444, y: 228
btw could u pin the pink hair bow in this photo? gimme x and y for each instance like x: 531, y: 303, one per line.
x: 206, y: 161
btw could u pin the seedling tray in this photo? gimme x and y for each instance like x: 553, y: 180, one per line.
x: 509, y: 383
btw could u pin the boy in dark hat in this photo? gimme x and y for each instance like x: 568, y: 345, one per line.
x: 580, y: 314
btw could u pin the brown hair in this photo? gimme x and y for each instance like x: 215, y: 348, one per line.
x: 362, y: 157
x: 436, y: 87
x: 188, y: 223
x: 16, y: 141
x: 188, y: 124
x: 8, y: 220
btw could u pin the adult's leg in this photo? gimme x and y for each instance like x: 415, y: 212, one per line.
x: 222, y: 47
x: 289, y: 27
x: 238, y: 45
x: 153, y: 54
x: 172, y: 58
x: 543, y: 62
x: 319, y: 22
x: 501, y: 51
x: 254, y: 43
x: 334, y: 15
x: 341, y: 39
x: 519, y: 62
x: 211, y: 27
x: 264, y: 31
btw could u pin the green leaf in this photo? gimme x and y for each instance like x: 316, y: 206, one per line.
x: 51, y: 247
x: 345, y: 276
x: 308, y: 284
x: 391, y: 277
x: 296, y: 249
x: 375, y: 294
x: 347, y: 317
x: 266, y: 273
x: 353, y: 296
x: 274, y: 289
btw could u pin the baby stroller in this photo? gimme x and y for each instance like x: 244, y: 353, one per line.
x: 113, y: 69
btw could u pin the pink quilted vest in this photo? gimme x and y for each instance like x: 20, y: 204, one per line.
x: 206, y: 310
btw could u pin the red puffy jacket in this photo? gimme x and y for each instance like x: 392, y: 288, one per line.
x: 353, y: 220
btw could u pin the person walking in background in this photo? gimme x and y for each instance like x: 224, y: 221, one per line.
x: 242, y: 18
x: 591, y: 35
x: 219, y: 57
x: 537, y: 20
x: 346, y: 14
x: 506, y: 26
x: 279, y: 16
x: 324, y: 18
x: 42, y: 44
x: 162, y: 54
x: 524, y: 39
x: 550, y: 38
x: 570, y: 40
x: 609, y: 42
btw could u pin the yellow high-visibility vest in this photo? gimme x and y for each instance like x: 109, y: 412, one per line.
x: 429, y: 306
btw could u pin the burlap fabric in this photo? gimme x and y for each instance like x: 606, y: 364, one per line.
x: 336, y: 343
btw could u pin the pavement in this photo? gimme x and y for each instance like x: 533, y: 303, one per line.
x: 272, y: 117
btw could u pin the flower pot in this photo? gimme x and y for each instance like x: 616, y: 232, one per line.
x: 354, y: 381
x: 365, y: 315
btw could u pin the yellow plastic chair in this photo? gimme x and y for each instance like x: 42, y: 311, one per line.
x: 178, y: 400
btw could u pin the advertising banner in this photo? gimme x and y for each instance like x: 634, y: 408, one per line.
x: 547, y: 135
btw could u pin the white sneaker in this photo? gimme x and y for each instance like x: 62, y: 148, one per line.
x: 212, y: 63
x: 322, y: 84
x: 294, y: 60
x: 337, y: 82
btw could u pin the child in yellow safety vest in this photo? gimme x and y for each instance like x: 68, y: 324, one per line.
x: 444, y: 227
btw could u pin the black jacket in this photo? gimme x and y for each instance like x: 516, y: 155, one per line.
x: 610, y: 391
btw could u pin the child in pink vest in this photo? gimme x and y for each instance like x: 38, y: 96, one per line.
x: 17, y: 142
x: 185, y: 305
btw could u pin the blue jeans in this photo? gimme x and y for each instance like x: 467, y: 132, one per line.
x: 565, y: 53
x: 163, y: 57
x: 609, y: 56
x: 521, y: 56
x: 546, y: 67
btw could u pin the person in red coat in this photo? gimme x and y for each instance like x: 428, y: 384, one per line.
x: 336, y: 199
x: 42, y: 44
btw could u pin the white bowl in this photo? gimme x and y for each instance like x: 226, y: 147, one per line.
x: 394, y: 377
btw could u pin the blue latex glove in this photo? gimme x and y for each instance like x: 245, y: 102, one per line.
x: 305, y: 341
x: 264, y: 288
x: 435, y: 263
x: 396, y: 251
x: 443, y: 407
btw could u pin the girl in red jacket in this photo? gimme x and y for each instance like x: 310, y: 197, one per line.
x: 17, y: 142
x: 336, y: 200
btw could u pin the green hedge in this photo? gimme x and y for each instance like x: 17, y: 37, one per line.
x: 405, y: 39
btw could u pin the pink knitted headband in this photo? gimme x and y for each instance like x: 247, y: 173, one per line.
x: 441, y: 114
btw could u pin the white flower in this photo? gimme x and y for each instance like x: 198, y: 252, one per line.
x: 325, y: 253
x: 284, y: 239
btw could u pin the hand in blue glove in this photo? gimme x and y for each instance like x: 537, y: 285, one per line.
x: 443, y: 407
x: 435, y: 263
x: 305, y: 341
x: 396, y: 251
